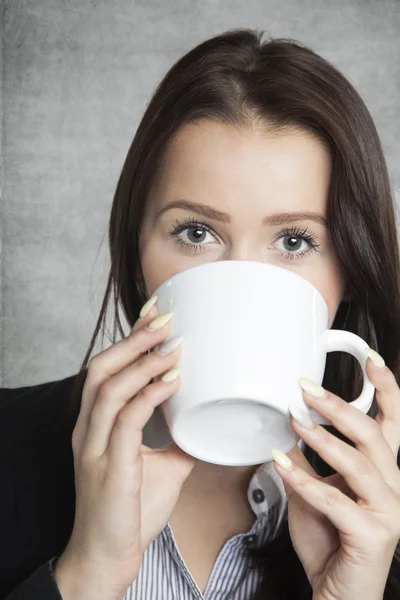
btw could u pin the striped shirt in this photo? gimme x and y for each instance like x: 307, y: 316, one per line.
x: 164, y: 574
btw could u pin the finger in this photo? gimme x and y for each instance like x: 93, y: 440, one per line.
x: 343, y: 512
x: 297, y: 456
x: 123, y: 388
x: 114, y: 359
x: 360, y: 474
x: 148, y: 314
x: 369, y: 468
x: 126, y: 436
x: 183, y: 462
x: 387, y: 398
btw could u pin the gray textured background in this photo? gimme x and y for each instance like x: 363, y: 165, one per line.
x: 75, y: 79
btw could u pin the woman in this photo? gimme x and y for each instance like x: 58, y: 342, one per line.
x: 240, y: 130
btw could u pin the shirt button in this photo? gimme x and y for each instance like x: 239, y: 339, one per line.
x: 249, y: 540
x: 258, y: 495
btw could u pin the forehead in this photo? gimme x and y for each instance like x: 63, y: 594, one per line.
x: 217, y: 163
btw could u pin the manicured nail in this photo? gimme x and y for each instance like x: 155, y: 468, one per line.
x: 312, y: 388
x: 282, y: 459
x: 375, y: 357
x: 171, y: 374
x: 301, y: 416
x: 170, y: 345
x: 160, y: 321
x: 147, y: 307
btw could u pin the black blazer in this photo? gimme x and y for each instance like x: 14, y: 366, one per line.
x: 37, y: 499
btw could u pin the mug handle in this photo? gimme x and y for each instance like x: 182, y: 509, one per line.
x: 333, y: 340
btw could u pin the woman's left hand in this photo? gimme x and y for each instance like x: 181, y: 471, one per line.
x: 345, y: 527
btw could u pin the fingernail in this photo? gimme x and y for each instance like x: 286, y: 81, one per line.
x: 170, y: 345
x: 375, y: 357
x: 160, y: 321
x: 147, y: 307
x: 312, y: 388
x: 171, y: 374
x: 301, y: 416
x: 282, y: 459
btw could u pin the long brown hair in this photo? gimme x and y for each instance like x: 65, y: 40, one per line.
x: 237, y: 79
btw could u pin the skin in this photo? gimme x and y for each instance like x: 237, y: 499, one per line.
x: 249, y: 174
x: 345, y: 527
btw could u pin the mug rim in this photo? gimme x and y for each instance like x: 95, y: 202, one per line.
x: 252, y: 262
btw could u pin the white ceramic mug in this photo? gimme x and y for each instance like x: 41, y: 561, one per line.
x: 250, y: 330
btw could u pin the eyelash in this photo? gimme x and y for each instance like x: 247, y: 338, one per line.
x: 287, y: 232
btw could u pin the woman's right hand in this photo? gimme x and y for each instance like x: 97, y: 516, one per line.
x: 125, y: 491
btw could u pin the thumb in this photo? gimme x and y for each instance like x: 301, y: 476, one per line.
x: 297, y: 457
x: 184, y: 462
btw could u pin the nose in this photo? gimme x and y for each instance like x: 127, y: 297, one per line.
x: 246, y: 255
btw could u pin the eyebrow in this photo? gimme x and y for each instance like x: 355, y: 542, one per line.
x: 283, y: 218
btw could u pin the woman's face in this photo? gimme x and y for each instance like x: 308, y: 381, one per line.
x: 230, y: 194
